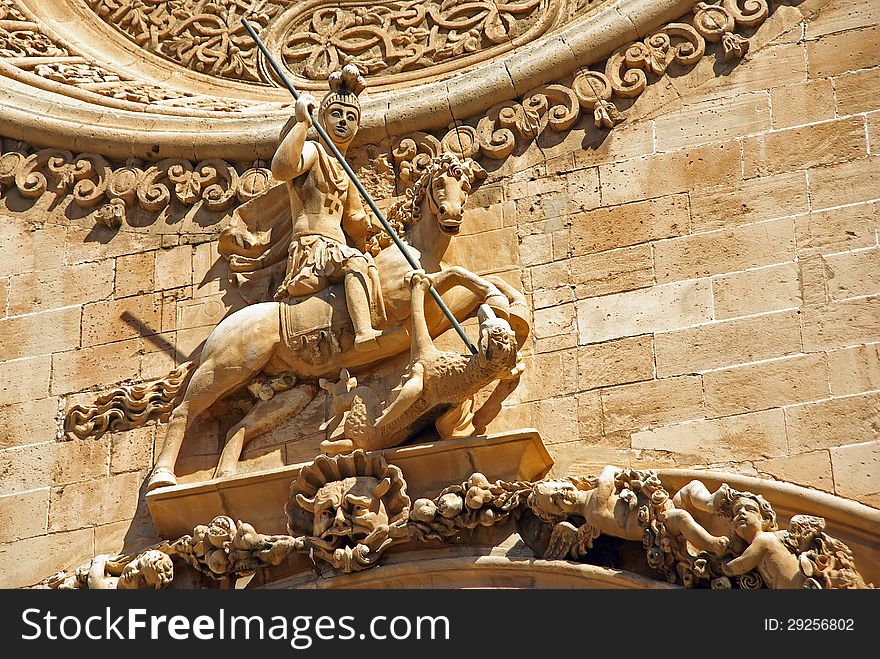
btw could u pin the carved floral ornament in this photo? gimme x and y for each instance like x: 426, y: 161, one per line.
x: 348, y: 511
x: 220, y: 185
x: 315, y: 38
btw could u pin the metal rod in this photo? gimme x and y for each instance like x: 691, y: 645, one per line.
x: 354, y: 179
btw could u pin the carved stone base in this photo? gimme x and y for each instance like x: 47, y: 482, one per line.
x: 260, y: 497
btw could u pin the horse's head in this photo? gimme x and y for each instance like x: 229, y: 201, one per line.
x: 448, y: 183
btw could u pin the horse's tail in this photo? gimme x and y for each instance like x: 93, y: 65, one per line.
x: 130, y: 406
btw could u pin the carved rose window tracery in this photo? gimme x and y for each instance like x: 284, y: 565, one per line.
x: 404, y: 36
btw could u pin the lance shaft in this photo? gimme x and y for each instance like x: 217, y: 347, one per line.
x: 360, y: 188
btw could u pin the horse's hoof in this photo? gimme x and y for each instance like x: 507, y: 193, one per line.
x: 161, y: 477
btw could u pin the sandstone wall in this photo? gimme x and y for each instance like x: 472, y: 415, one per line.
x: 704, y: 282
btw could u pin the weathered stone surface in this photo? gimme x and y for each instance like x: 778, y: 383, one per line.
x: 25, y: 379
x: 103, y: 365
x: 60, y: 287
x: 39, y: 333
x: 802, y: 103
x: 28, y: 423
x: 629, y: 224
x: 741, y: 437
x: 806, y: 469
x: 842, y: 15
x: 535, y: 249
x: 874, y: 133
x: 547, y: 375
x: 24, y: 515
x: 752, y: 200
x: 668, y: 173
x: 103, y: 500
x: 80, y: 460
x: 838, y: 53
x: 658, y: 309
x: 554, y: 321
x: 814, y: 273
x: 616, y: 270
x: 767, y: 384
x: 838, y: 230
x: 625, y: 360
x: 28, y: 247
x: 27, y: 467
x: 757, y: 291
x: 858, y: 91
x: 856, y: 469
x: 713, y: 120
x: 174, y: 268
x: 201, y: 312
x: 208, y: 269
x: 854, y: 274
x: 27, y: 562
x: 559, y: 418
x: 653, y: 403
x: 803, y: 147
x: 117, y: 320
x: 730, y: 250
x: 854, y: 370
x: 134, y: 274
x: 589, y: 415
x: 841, y: 324
x: 727, y: 343
x: 834, y: 422
x: 98, y: 243
x: 780, y: 64
x: 550, y: 276
x: 131, y: 450
x: 845, y: 183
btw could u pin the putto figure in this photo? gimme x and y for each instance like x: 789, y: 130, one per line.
x: 326, y: 209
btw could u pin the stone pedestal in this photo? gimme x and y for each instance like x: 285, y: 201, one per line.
x: 259, y: 497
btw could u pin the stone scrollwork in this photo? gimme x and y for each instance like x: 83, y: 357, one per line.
x: 626, y: 75
x: 91, y: 181
x: 349, y: 510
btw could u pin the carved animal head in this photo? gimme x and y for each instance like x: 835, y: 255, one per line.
x: 496, y: 348
x: 448, y: 189
x: 444, y: 185
x: 348, y: 509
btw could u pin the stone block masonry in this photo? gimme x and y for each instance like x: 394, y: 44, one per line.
x: 704, y: 280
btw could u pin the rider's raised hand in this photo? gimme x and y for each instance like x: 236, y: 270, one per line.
x: 305, y: 105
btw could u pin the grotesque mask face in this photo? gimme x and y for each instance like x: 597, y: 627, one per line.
x: 351, y: 508
x: 341, y: 122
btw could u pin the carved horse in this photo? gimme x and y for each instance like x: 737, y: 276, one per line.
x: 271, y: 339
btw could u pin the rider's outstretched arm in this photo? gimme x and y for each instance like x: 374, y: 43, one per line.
x: 294, y: 154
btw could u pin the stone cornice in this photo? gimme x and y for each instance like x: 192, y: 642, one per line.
x: 67, y: 116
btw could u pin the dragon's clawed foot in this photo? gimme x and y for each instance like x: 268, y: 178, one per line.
x: 339, y: 399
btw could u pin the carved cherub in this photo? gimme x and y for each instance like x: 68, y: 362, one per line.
x: 150, y: 569
x: 616, y: 504
x: 801, y: 557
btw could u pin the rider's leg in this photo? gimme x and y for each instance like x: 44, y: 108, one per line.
x: 357, y: 298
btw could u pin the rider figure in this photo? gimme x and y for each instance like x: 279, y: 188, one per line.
x: 327, y: 211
